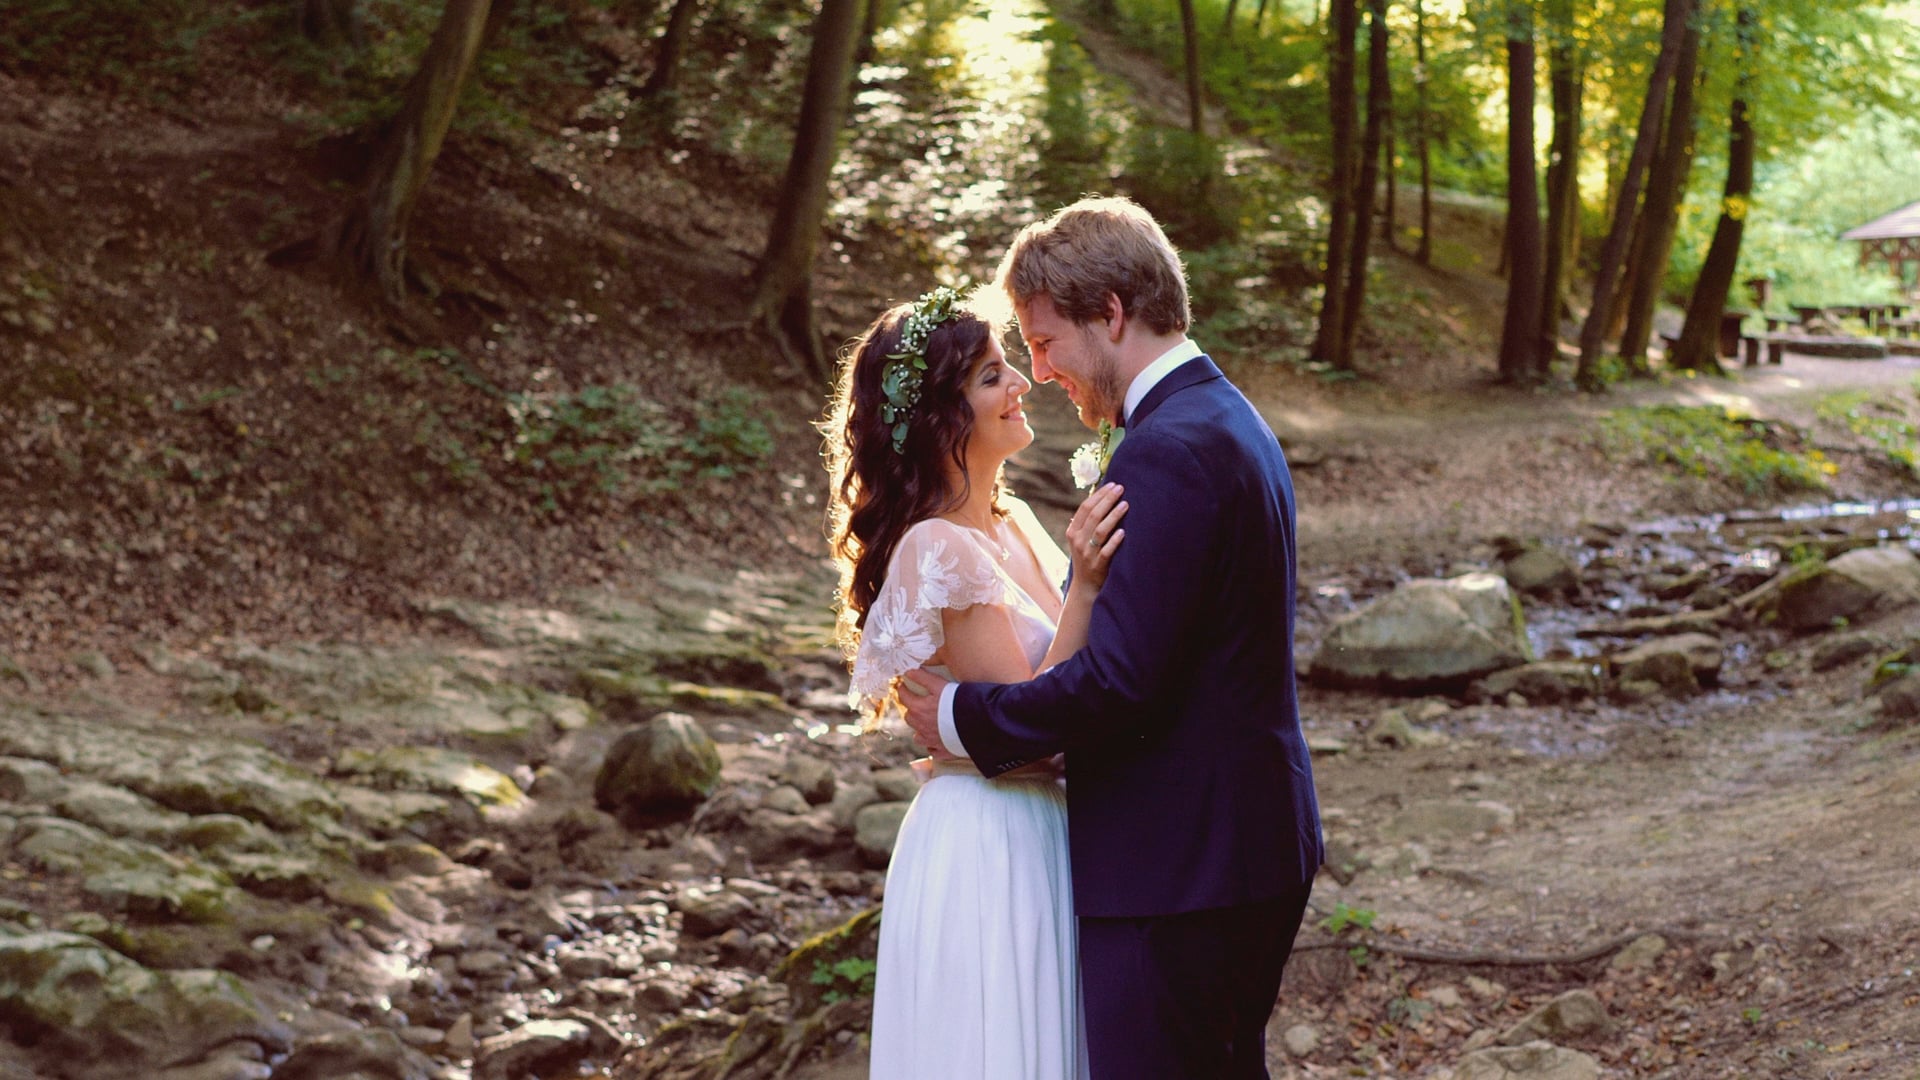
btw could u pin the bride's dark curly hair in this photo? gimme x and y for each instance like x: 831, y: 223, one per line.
x: 875, y: 494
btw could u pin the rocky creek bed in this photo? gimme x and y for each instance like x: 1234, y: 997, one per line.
x: 1598, y: 805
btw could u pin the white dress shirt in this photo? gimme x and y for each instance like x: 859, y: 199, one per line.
x: 1137, y: 391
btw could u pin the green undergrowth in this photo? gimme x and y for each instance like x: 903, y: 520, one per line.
x: 1887, y: 423
x: 1714, y: 443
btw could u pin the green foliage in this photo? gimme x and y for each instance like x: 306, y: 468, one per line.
x: 1345, y: 917
x: 847, y: 978
x: 1880, y: 421
x: 1714, y: 443
x: 147, y: 45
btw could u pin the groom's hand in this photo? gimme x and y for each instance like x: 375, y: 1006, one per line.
x: 920, y: 694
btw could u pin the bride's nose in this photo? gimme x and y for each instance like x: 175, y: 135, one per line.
x: 1019, y: 384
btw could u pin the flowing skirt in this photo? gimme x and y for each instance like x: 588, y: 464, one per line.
x: 979, y: 975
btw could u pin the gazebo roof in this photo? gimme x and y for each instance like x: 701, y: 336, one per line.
x: 1901, y: 224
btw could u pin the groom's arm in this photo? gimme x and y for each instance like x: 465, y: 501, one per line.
x: 1146, y: 611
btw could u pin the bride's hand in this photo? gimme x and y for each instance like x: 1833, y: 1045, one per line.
x: 1094, y: 534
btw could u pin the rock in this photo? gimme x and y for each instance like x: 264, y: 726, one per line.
x: 775, y: 836
x: 76, y: 998
x: 432, y: 769
x: 221, y: 1066
x: 1571, y: 1015
x: 1326, y: 745
x: 1539, y: 571
x: 857, y: 939
x: 1534, y: 1061
x: 1398, y: 860
x: 1639, y: 953
x: 667, y: 763
x: 1485, y: 989
x: 1702, y: 653
x: 95, y: 664
x: 536, y: 1048
x: 812, y: 777
x: 127, y: 875
x: 876, y: 828
x: 1547, y: 682
x: 1660, y: 674
x: 1854, y: 584
x: 1445, y: 997
x: 364, y: 1054
x: 1443, y: 818
x: 1426, y: 634
x: 11, y: 671
x: 785, y: 799
x: 1899, y: 701
x: 704, y: 914
x: 1301, y: 1040
x: 1843, y: 649
x: 896, y: 785
x: 850, y: 799
x: 1392, y: 729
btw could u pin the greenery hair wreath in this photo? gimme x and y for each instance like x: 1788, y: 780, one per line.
x: 900, y: 379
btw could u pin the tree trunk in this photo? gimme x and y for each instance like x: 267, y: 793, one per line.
x: 673, y: 42
x: 1613, y: 251
x: 1520, y: 359
x: 1328, y: 346
x: 1563, y: 170
x: 1378, y: 99
x: 333, y: 22
x: 1226, y: 28
x: 870, y: 16
x: 373, y: 235
x: 1698, y: 349
x: 1666, y: 183
x: 1424, y: 253
x: 1259, y: 16
x: 782, y: 303
x: 1195, y: 108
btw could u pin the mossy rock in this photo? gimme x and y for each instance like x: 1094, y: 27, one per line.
x: 857, y: 939
x: 435, y: 770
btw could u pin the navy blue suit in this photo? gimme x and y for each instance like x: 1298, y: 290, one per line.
x: 1194, y: 828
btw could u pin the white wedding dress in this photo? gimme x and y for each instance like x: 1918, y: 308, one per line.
x: 979, y: 974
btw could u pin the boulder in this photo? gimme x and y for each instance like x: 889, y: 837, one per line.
x: 875, y: 829
x: 1534, y: 1061
x: 1843, y: 649
x: 1571, y: 1015
x: 363, y: 1054
x: 1851, y: 585
x: 1426, y: 634
x: 704, y: 914
x: 72, y: 996
x: 1899, y: 702
x: 536, y: 1048
x: 812, y: 777
x: 1539, y: 571
x: 1701, y: 654
x: 1547, y: 682
x: 667, y: 763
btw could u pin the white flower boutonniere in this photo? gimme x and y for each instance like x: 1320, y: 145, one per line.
x: 1089, y: 463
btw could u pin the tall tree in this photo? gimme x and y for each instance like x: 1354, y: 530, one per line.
x: 1378, y: 102
x: 1423, y: 254
x: 333, y: 22
x: 1666, y: 183
x: 673, y: 43
x: 1563, y: 165
x: 373, y: 234
x: 1196, y: 118
x: 782, y: 288
x: 1698, y: 348
x: 1521, y: 359
x: 1613, y: 251
x: 1259, y: 16
x: 1226, y: 28
x: 1329, y: 342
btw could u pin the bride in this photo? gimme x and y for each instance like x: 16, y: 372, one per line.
x: 978, y: 969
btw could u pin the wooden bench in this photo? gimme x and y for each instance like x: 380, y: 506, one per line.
x: 1776, y: 348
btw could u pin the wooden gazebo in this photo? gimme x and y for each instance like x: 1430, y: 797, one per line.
x: 1892, y: 238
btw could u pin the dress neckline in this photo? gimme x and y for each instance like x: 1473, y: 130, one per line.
x: 1000, y: 549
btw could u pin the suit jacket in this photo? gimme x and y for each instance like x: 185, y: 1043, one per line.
x: 1189, y: 783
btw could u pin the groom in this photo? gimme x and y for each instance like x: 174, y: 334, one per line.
x: 1195, y: 834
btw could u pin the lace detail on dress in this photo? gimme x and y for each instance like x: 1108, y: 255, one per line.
x: 938, y: 566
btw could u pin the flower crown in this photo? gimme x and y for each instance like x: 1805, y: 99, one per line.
x: 900, y: 379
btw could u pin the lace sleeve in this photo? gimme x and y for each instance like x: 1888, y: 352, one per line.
x: 938, y: 566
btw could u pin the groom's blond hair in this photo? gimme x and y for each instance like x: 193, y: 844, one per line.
x: 1099, y: 246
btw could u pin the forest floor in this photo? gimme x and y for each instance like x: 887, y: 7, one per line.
x: 203, y: 448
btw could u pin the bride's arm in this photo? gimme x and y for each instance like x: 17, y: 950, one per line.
x: 1093, y: 536
x: 982, y: 645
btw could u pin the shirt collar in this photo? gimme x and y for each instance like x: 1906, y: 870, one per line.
x: 1151, y: 375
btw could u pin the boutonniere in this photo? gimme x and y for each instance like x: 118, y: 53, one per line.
x: 1089, y: 463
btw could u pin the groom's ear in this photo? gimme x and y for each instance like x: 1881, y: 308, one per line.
x: 1115, y: 318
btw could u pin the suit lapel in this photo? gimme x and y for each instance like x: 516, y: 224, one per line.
x: 1192, y: 373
